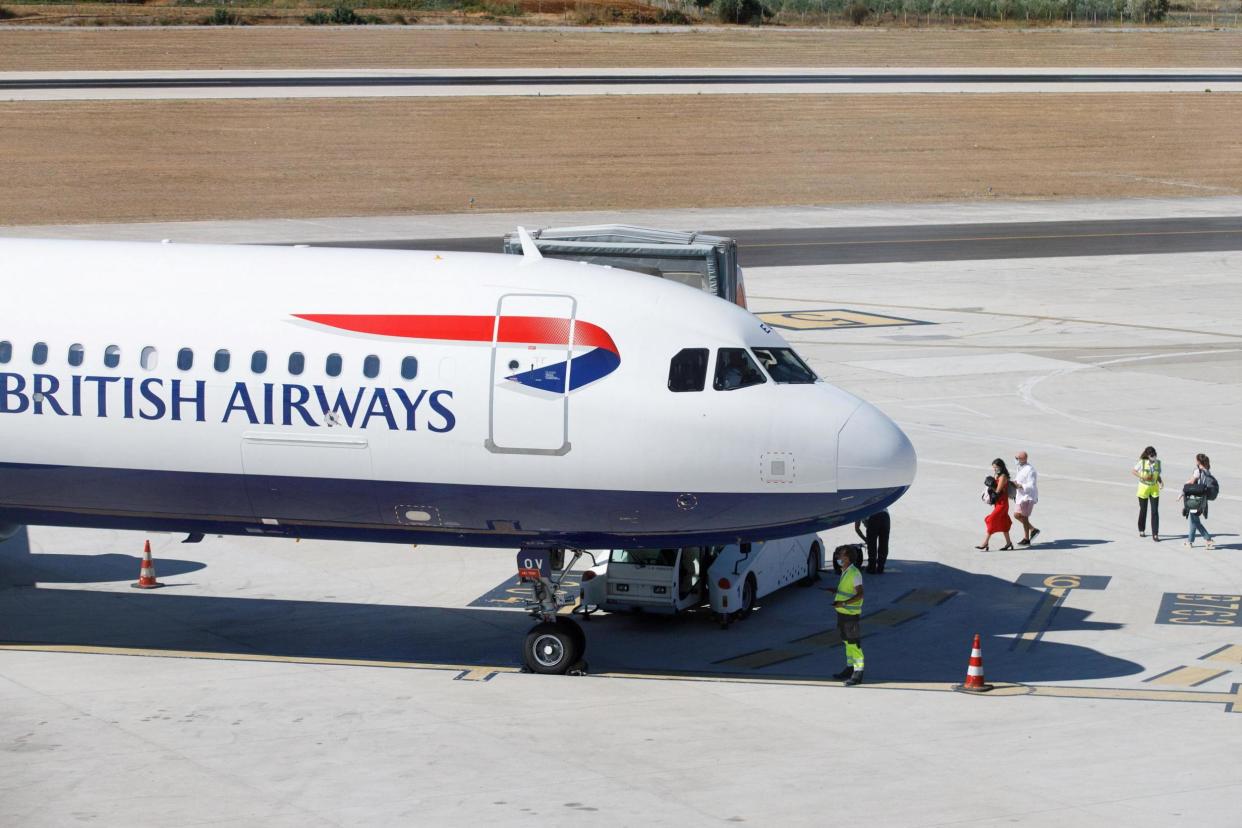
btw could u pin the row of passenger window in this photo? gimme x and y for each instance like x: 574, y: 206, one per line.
x: 735, y: 369
x: 221, y: 360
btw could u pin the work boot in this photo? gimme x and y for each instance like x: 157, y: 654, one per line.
x: 844, y: 674
x: 854, y: 679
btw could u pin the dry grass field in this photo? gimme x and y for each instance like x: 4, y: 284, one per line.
x: 133, y: 161
x: 319, y: 47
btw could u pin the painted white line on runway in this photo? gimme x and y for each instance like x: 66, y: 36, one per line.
x: 835, y: 81
x: 1026, y: 391
x: 602, y: 89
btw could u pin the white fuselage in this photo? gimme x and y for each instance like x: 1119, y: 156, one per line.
x: 477, y: 399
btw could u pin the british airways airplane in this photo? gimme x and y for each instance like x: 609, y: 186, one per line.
x: 413, y: 397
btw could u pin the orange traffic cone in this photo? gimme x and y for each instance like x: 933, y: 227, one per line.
x: 146, y: 575
x: 974, y: 672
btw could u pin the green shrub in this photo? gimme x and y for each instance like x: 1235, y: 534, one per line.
x: 1147, y: 11
x: 6, y: 14
x: 222, y: 17
x: 339, y: 16
x: 857, y: 12
x: 740, y: 11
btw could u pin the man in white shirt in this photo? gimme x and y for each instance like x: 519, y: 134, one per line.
x: 1026, y: 480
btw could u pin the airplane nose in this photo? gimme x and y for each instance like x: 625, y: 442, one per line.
x: 873, y: 452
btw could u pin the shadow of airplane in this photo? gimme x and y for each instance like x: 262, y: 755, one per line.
x: 21, y: 567
x: 933, y: 644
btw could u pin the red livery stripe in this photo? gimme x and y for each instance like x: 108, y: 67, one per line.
x: 530, y: 330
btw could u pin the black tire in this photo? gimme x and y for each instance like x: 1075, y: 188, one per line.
x: 552, y: 648
x: 749, y: 590
x: 813, y: 559
x: 576, y: 630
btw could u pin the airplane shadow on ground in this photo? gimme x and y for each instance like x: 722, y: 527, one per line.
x: 21, y: 567
x: 930, y: 645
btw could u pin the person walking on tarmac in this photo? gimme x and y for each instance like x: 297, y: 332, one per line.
x: 877, y: 528
x: 1147, y: 470
x: 848, y: 603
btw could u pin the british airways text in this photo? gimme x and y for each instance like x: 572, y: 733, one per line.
x: 288, y: 404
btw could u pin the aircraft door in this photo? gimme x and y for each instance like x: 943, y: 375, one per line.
x: 532, y: 344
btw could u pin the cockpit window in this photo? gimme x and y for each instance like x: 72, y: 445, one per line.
x: 783, y: 365
x: 688, y: 370
x: 735, y: 369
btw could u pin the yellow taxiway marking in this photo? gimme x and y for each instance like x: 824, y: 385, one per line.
x: 1186, y: 676
x: 1229, y: 654
x: 1052, y: 600
x: 1231, y: 699
x: 887, y: 617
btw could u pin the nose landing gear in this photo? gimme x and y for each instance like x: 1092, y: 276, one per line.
x: 556, y: 645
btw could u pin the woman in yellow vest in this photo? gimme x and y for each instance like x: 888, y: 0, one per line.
x: 1147, y: 470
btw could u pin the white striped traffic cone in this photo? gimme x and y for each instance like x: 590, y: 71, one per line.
x: 146, y: 575
x: 974, y: 672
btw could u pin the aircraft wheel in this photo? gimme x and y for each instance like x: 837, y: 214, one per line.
x: 576, y: 630
x: 812, y: 565
x: 552, y: 647
x: 748, y: 597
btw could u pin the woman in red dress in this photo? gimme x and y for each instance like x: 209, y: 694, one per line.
x: 998, y: 519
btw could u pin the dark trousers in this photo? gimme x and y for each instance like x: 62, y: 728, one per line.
x: 1155, y: 514
x: 878, y: 527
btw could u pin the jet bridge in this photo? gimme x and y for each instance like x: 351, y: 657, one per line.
x: 708, y: 263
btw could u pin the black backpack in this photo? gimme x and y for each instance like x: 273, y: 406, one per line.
x: 1211, y: 486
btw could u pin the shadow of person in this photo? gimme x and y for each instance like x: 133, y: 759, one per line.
x: 1066, y: 543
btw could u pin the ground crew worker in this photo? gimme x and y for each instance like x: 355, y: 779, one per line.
x: 848, y: 603
x: 877, y: 528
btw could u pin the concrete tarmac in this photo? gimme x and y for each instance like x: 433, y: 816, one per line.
x: 351, y: 684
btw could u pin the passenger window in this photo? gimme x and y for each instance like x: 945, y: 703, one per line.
x: 370, y: 367
x: 6, y: 351
x: 735, y: 369
x: 409, y: 368
x: 688, y: 370
x: 38, y: 355
x: 222, y: 360
x: 149, y: 358
x: 784, y: 366
x: 185, y: 359
x: 258, y: 362
x: 112, y: 356
x: 76, y: 354
x: 297, y: 363
x: 333, y: 366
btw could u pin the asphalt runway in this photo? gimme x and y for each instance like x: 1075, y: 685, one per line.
x: 790, y: 247
x: 181, y: 81
x: 202, y: 84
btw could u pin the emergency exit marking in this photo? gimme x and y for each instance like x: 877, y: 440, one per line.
x: 1038, y: 580
x: 1191, y: 609
x: 822, y: 320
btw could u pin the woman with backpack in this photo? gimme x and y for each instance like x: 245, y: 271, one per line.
x: 1198, y: 490
x: 998, y: 519
x: 1147, y: 470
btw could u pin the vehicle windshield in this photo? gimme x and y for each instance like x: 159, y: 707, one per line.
x: 784, y: 365
x: 644, y: 557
